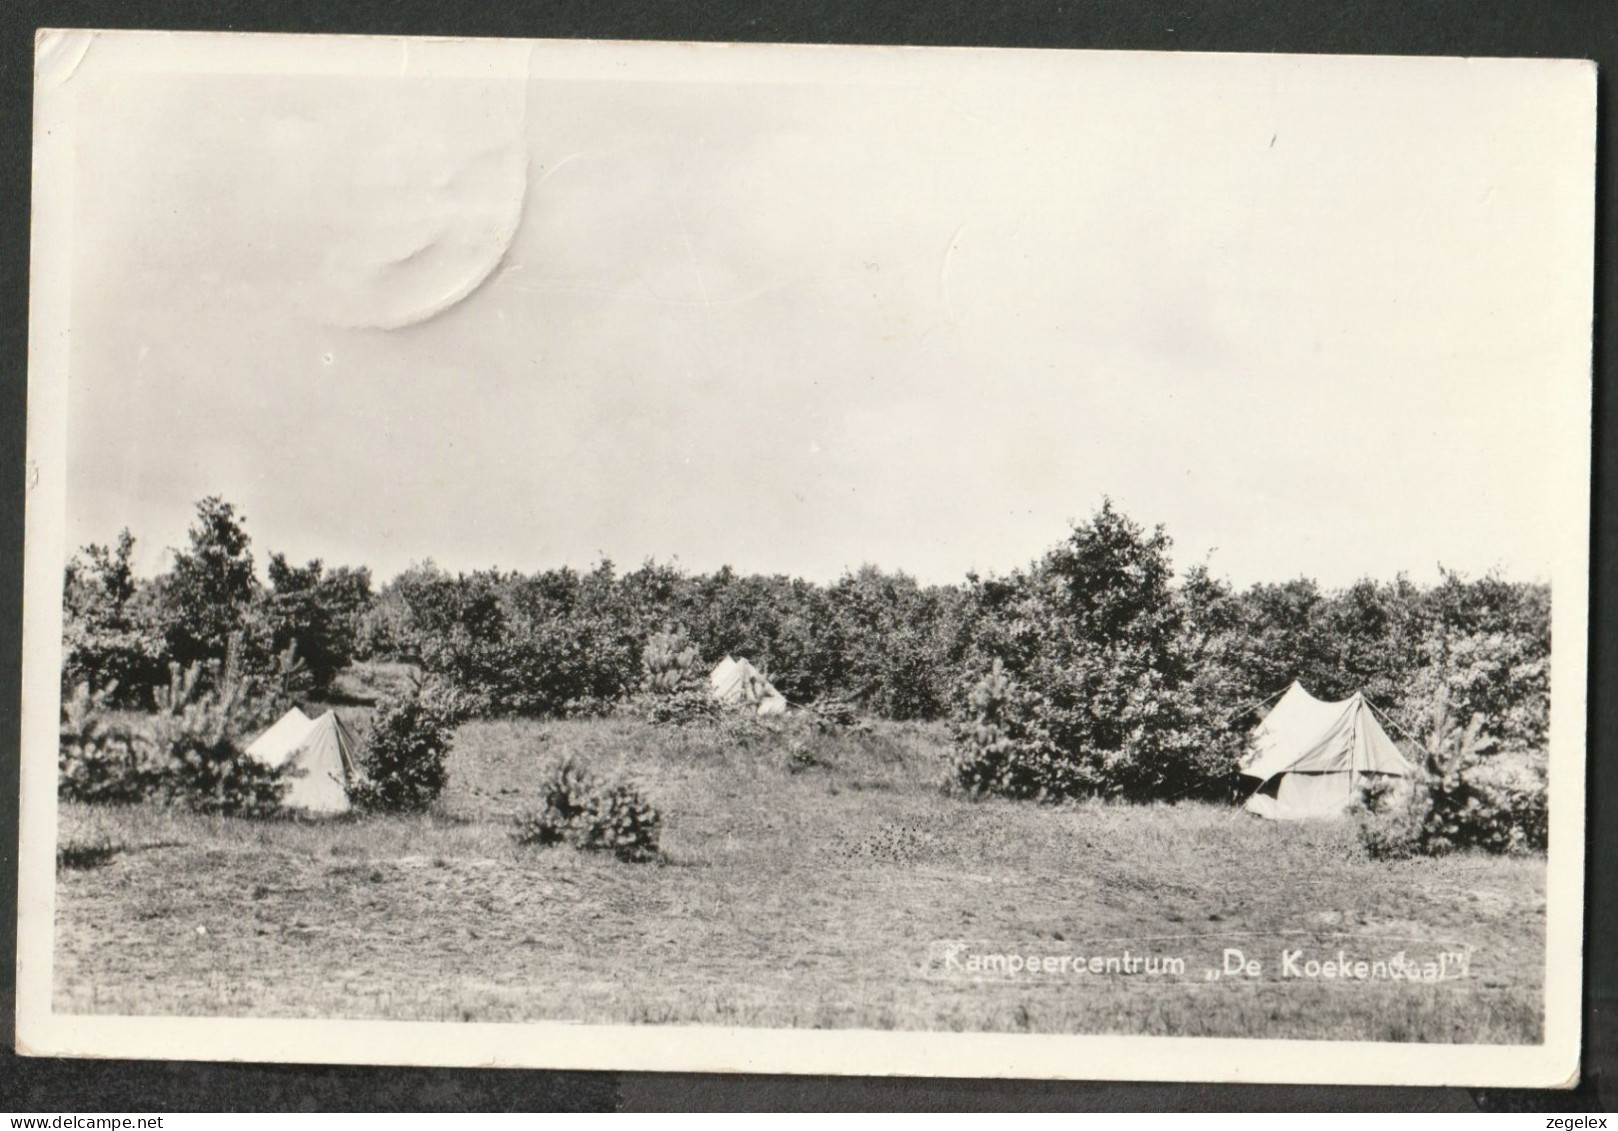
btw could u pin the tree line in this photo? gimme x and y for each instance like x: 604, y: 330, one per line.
x: 1096, y: 668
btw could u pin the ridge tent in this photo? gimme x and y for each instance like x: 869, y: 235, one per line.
x: 1310, y: 757
x: 737, y: 681
x: 319, y: 752
x: 273, y: 746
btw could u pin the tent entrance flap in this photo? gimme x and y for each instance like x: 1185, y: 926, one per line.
x: 1293, y: 797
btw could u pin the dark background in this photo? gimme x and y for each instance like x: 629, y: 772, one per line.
x: 1533, y: 28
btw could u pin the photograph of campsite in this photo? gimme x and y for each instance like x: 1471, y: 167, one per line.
x: 1045, y: 546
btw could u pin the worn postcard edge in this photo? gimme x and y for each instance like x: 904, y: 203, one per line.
x: 41, y: 1031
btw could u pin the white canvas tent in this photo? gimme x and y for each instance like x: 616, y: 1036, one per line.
x: 1311, y: 758
x: 320, y: 755
x: 737, y: 681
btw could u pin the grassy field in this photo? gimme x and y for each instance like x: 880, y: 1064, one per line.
x: 808, y: 880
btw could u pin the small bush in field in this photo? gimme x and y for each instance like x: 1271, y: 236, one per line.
x: 402, y: 760
x: 832, y: 713
x: 109, y: 770
x: 1468, y: 798
x: 569, y: 792
x: 210, y: 773
x: 669, y: 663
x: 191, y: 753
x: 673, y: 689
x: 1471, y: 804
x: 583, y: 812
x: 625, y: 824
x: 82, y: 855
x: 987, y: 753
x: 98, y: 761
x: 200, y: 740
x: 740, y: 726
x: 689, y: 706
x: 804, y: 754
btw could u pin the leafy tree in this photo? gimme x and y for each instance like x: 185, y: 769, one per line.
x: 206, y: 596
x: 1372, y: 633
x: 394, y: 624
x: 1486, y: 651
x: 112, y: 642
x: 1281, y: 639
x: 318, y: 611
x: 1098, y: 691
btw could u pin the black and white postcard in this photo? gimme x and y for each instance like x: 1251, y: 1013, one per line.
x: 807, y: 559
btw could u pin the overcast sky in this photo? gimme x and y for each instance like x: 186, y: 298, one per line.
x: 804, y: 309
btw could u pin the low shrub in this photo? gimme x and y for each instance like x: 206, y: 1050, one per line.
x: 834, y: 713
x: 569, y: 792
x: 113, y: 769
x: 739, y: 725
x: 1390, y: 817
x: 669, y: 663
x: 689, y: 706
x: 402, y: 760
x: 199, y: 739
x: 673, y: 690
x: 190, y: 753
x: 209, y: 772
x: 804, y: 753
x: 590, y: 815
x: 82, y: 855
x: 625, y: 824
x: 1493, y: 805
x: 100, y: 762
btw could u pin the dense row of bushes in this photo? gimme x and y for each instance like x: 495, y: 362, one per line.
x: 124, y: 631
x: 564, y: 642
x: 1097, y: 670
x: 1107, y: 677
